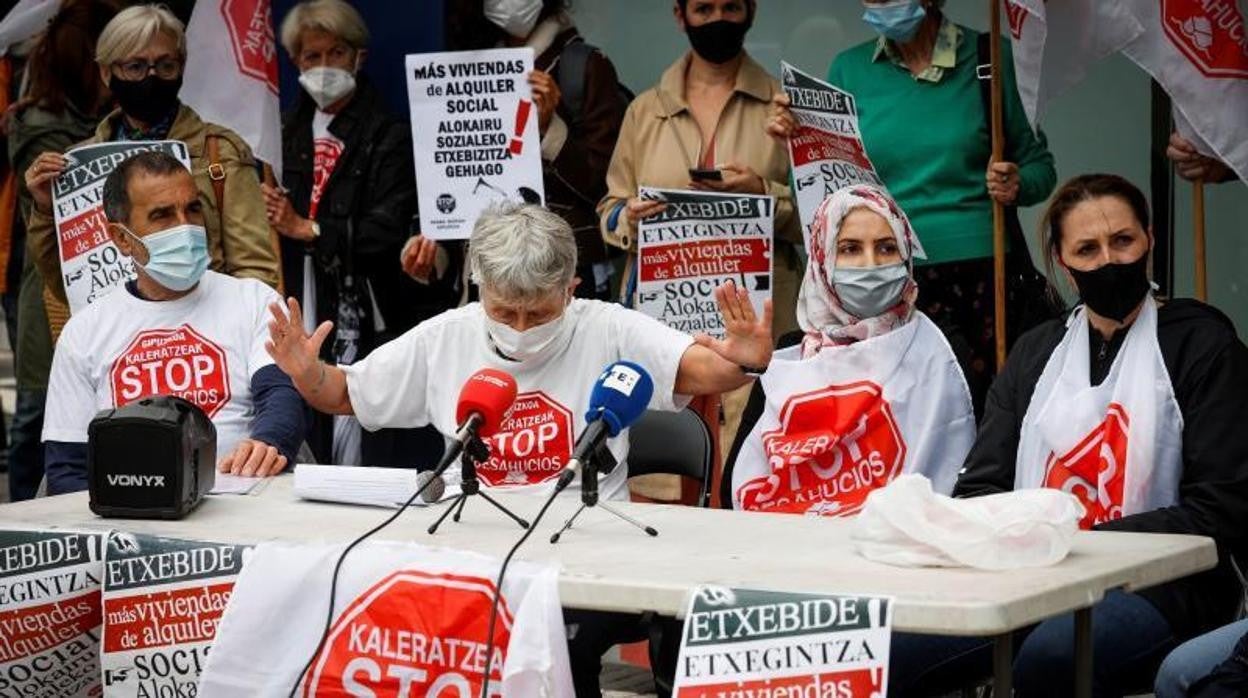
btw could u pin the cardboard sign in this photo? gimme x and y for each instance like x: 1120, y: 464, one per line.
x: 91, y: 266
x: 747, y: 642
x: 163, y: 599
x: 474, y: 136
x: 700, y: 241
x: 826, y: 151
x: 50, y: 614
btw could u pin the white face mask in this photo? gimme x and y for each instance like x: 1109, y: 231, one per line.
x: 529, y: 344
x: 326, y: 85
x: 516, y: 17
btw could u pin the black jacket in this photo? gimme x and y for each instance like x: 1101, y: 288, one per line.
x: 372, y: 194
x: 1208, y: 369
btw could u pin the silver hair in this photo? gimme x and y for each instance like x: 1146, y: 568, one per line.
x: 334, y: 17
x: 132, y: 29
x: 522, y: 252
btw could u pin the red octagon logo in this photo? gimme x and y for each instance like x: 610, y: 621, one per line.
x: 1211, y: 33
x: 1016, y: 12
x: 1094, y: 470
x: 834, y: 446
x: 533, y: 444
x: 414, y: 634
x: 178, y: 362
x: 250, y: 23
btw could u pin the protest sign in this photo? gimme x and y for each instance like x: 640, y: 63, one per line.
x: 697, y: 243
x: 746, y: 642
x: 826, y: 150
x: 163, y: 598
x: 49, y: 614
x: 474, y: 135
x: 91, y: 266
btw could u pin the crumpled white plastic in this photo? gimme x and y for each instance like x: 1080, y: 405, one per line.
x: 909, y: 525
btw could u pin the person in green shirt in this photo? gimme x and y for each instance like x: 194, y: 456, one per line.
x: 921, y: 112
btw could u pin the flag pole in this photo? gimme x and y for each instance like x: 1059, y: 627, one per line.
x: 998, y: 209
x: 1198, y: 243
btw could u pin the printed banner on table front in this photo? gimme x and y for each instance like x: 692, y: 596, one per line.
x: 474, y: 136
x: 50, y: 614
x: 163, y: 598
x: 91, y: 266
x: 700, y: 241
x: 826, y: 151
x: 748, y: 642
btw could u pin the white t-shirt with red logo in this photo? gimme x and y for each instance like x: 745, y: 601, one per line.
x: 203, y: 347
x: 326, y: 149
x: 416, y: 379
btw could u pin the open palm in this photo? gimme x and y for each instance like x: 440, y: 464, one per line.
x: 292, y: 349
x: 747, y: 337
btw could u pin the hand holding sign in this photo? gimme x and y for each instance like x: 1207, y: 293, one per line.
x: 296, y: 353
x: 747, y: 339
x: 47, y: 167
x: 780, y: 122
x: 547, y: 95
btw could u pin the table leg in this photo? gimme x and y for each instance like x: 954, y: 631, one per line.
x: 1003, y: 665
x: 1083, y: 653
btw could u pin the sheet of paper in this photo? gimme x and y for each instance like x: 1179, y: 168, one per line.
x: 379, y: 487
x: 237, y: 484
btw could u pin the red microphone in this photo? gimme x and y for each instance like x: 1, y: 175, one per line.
x: 484, y: 402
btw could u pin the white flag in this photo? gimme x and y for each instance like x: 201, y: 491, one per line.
x: 27, y: 18
x: 231, y: 72
x: 1057, y: 41
x: 1198, y: 51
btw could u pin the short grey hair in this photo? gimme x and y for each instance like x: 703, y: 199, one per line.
x: 334, y: 17
x: 116, y: 192
x: 132, y: 30
x: 522, y: 252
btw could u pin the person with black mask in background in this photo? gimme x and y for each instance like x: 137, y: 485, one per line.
x: 1134, y: 405
x: 141, y: 54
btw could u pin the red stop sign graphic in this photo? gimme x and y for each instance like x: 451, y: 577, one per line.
x: 1016, y: 13
x: 178, y: 362
x: 250, y: 24
x: 1211, y: 33
x: 532, y: 445
x: 1094, y: 470
x: 414, y: 634
x: 834, y: 446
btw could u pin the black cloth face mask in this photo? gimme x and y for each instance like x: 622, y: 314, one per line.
x: 719, y: 41
x: 1113, y: 290
x: 149, y: 100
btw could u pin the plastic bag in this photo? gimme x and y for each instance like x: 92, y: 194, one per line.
x: 908, y: 525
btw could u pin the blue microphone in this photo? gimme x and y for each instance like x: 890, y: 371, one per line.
x: 619, y: 398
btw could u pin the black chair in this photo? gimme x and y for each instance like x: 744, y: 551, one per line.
x: 673, y: 443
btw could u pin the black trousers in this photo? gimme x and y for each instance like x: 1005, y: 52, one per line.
x: 592, y: 633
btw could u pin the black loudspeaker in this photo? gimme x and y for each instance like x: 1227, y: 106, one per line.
x: 154, y: 458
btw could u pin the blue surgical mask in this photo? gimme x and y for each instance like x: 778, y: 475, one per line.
x: 176, y: 258
x: 898, y: 20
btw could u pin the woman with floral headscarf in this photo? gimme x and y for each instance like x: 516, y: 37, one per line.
x: 871, y: 390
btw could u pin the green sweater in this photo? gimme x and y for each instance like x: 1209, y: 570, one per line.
x: 930, y: 143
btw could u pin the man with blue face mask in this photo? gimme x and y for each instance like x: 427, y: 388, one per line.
x: 179, y: 329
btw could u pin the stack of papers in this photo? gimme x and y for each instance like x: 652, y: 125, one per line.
x: 225, y: 483
x: 378, y: 487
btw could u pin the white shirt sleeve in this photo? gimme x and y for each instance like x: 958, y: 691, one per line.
x: 658, y: 348
x: 389, y: 387
x: 71, y: 392
x: 260, y: 296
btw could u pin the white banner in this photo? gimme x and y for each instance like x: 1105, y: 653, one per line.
x: 697, y: 243
x: 474, y: 136
x: 826, y: 151
x: 741, y: 642
x: 91, y: 266
x: 27, y: 18
x: 231, y: 73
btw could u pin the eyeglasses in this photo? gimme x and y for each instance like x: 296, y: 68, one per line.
x: 139, y: 68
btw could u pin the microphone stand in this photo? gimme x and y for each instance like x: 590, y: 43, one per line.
x: 475, y: 451
x: 589, y: 494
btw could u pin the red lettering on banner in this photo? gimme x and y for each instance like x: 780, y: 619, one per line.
x: 81, y: 234
x: 25, y: 632
x: 166, y: 618
x: 1211, y: 33
x: 833, y: 447
x: 414, y: 634
x: 178, y: 362
x: 1095, y: 469
x: 812, y: 144
x: 532, y: 445
x: 706, y: 257
x: 250, y: 24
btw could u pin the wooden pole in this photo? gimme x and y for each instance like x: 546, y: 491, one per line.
x: 1198, y: 244
x: 998, y: 209
x: 274, y: 240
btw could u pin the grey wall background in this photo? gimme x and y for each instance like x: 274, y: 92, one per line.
x: 1101, y: 125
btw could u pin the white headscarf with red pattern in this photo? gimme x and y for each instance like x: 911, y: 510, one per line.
x: 819, y: 311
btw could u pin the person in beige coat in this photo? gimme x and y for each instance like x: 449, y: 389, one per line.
x: 141, y: 54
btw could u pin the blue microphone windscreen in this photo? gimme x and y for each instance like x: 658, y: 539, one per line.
x: 620, y: 396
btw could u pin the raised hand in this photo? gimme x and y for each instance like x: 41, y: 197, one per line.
x: 292, y: 349
x: 747, y: 338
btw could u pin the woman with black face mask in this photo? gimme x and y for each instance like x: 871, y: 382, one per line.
x: 140, y: 55
x: 1133, y: 404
